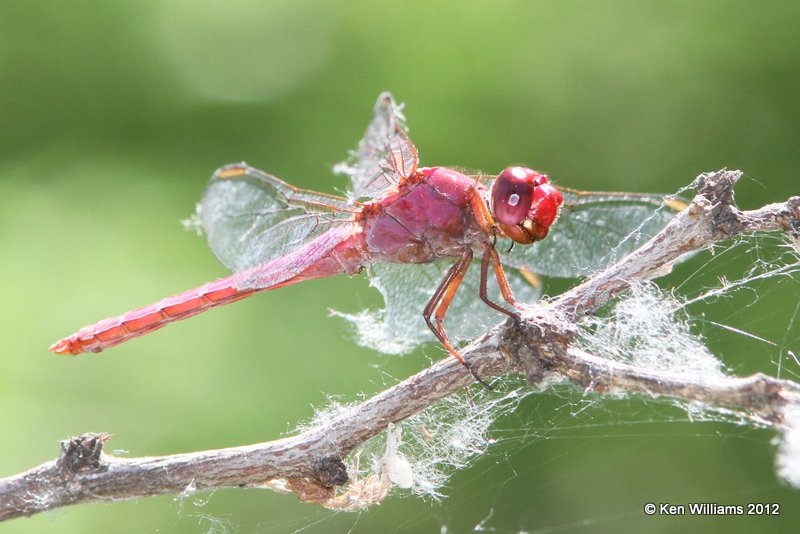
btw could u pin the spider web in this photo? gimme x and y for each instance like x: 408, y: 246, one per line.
x: 653, y: 328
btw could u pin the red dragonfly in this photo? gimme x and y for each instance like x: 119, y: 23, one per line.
x: 404, y: 223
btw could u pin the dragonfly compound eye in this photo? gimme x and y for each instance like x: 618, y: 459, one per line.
x: 525, y: 204
x: 512, y: 194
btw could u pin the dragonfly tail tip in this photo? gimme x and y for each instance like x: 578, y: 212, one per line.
x: 65, y: 346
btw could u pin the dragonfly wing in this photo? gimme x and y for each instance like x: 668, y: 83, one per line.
x: 251, y: 217
x: 385, y: 153
x: 593, y: 231
x: 273, y: 273
x: 406, y: 288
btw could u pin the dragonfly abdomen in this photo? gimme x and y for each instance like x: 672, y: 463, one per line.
x: 345, y: 257
x: 116, y: 330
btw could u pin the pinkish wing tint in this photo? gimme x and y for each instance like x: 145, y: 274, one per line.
x: 299, y: 260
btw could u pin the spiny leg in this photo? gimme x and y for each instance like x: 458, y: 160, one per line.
x: 446, y: 291
x: 450, y: 292
x: 453, y: 277
x: 490, y: 256
x: 484, y: 219
x: 441, y: 300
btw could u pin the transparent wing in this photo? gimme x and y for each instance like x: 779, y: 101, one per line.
x: 271, y: 273
x: 406, y: 288
x: 385, y: 153
x: 251, y: 217
x: 593, y: 230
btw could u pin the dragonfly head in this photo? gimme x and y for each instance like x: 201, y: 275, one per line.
x: 525, y: 204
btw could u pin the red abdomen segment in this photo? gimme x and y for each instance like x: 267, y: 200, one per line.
x: 116, y: 330
x: 345, y: 257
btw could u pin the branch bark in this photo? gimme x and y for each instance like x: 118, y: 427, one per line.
x: 542, y: 346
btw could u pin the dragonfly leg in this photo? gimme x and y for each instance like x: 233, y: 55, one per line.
x: 490, y: 256
x: 482, y: 214
x: 439, y: 303
x: 486, y: 222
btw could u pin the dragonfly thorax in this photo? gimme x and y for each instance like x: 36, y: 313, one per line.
x: 425, y: 219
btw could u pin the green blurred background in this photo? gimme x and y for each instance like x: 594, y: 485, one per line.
x: 115, y: 114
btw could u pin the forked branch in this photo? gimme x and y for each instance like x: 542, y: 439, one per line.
x: 312, y: 463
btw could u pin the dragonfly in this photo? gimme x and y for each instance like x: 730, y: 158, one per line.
x: 416, y: 230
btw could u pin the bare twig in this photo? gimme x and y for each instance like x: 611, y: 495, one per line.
x: 710, y: 218
x: 312, y: 462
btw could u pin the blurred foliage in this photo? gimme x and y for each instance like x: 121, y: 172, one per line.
x: 114, y: 115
